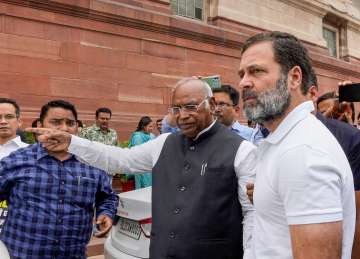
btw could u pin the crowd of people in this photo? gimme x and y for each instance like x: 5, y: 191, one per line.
x: 287, y: 187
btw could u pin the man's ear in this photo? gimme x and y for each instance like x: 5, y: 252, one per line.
x: 20, y: 122
x: 237, y: 108
x: 312, y: 93
x: 295, y: 78
x: 212, y: 104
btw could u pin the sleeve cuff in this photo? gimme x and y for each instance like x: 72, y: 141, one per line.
x: 315, y: 218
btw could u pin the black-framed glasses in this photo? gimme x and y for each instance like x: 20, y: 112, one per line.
x: 189, y: 108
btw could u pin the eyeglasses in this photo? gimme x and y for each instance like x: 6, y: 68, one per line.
x: 222, y: 105
x: 189, y: 108
x: 8, y: 117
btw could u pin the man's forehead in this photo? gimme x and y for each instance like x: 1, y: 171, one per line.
x: 104, y: 114
x: 257, y: 54
x: 192, y: 89
x: 222, y: 96
x: 7, y: 108
x: 60, y: 113
x: 184, y: 98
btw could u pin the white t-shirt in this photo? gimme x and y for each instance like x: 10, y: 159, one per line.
x: 303, y: 178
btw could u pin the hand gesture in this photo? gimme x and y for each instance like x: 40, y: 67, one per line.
x: 53, y: 140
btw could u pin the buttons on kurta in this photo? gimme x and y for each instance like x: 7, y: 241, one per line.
x: 182, y: 188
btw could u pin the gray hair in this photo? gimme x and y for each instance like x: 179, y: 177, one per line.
x: 207, y: 89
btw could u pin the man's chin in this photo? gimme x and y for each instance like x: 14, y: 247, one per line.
x: 5, y: 133
x: 190, y: 133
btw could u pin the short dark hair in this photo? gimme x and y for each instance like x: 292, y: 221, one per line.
x: 313, y: 79
x: 57, y: 104
x: 80, y: 124
x: 230, y: 91
x: 103, y: 109
x: 35, y: 122
x: 288, y: 52
x: 12, y: 102
x: 352, y: 106
x: 325, y: 96
x: 159, y: 120
x: 144, y: 121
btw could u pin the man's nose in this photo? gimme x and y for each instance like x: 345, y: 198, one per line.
x: 183, y: 114
x: 245, y: 82
x: 217, y: 109
x: 63, y: 127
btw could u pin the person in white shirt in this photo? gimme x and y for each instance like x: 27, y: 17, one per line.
x: 199, y: 197
x: 10, y: 122
x: 304, y: 193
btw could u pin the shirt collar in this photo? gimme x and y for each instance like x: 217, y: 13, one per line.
x: 235, y: 126
x: 204, y: 130
x: 17, y: 141
x: 95, y: 127
x: 98, y: 128
x: 40, y: 151
x: 290, y: 121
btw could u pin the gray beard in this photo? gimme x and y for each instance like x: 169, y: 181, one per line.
x: 271, y: 104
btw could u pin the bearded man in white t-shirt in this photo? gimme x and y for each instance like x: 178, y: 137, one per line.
x: 304, y: 193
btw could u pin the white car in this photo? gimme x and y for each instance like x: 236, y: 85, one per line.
x: 3, y: 251
x: 130, y: 236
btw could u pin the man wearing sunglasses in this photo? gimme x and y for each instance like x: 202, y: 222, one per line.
x: 199, y: 200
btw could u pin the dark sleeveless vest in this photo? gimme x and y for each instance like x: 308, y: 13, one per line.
x: 196, y: 213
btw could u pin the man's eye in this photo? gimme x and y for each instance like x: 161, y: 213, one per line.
x: 9, y: 117
x: 190, y: 107
x: 257, y: 70
x: 56, y: 122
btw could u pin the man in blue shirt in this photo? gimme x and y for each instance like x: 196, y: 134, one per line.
x: 53, y: 195
x: 227, y: 109
x: 168, y: 124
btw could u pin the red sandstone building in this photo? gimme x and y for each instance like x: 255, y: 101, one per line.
x: 127, y: 54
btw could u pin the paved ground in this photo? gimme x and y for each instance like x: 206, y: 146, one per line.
x: 96, y: 248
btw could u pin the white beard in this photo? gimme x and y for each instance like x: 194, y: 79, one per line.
x: 270, y: 104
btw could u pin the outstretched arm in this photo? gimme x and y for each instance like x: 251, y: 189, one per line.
x: 108, y: 158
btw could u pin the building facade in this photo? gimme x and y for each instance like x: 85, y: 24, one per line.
x: 127, y: 54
